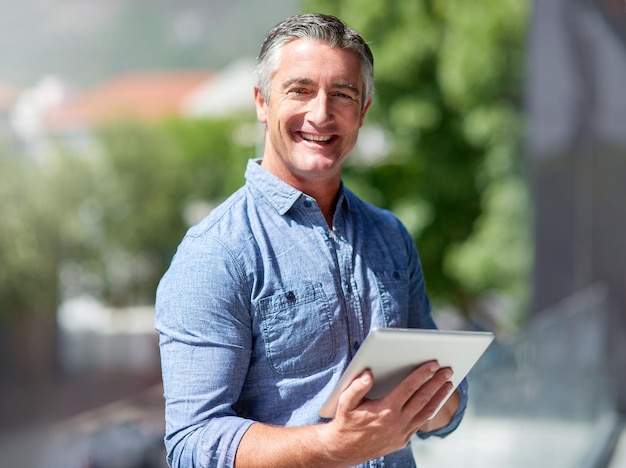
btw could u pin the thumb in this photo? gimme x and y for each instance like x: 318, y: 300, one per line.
x: 353, y: 395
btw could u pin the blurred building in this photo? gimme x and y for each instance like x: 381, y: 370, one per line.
x: 135, y: 96
x: 143, y: 96
x: 577, y: 146
x: 152, y: 96
x: 97, y: 338
x: 229, y: 92
x: 50, y: 112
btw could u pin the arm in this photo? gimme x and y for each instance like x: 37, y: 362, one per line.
x: 362, y: 429
x: 203, y: 319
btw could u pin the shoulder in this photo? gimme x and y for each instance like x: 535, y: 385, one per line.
x: 379, y: 217
x: 227, y: 224
x: 209, y: 257
x: 218, y: 241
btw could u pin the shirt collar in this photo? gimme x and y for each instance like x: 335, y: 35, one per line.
x: 279, y: 194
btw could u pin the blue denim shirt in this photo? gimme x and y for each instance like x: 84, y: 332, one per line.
x: 263, y: 307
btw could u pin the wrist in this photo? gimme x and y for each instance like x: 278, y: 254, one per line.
x: 332, y: 453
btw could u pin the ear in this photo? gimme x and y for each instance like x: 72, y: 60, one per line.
x: 261, y: 105
x: 365, y: 109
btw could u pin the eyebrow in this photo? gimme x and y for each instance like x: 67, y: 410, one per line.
x: 300, y: 81
x: 340, y: 84
x: 347, y: 85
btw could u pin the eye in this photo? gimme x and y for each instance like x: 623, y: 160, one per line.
x: 298, y: 91
x: 344, y: 96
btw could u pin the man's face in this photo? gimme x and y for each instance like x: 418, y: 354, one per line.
x: 314, y: 113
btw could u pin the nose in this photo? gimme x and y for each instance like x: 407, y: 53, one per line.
x: 320, y: 110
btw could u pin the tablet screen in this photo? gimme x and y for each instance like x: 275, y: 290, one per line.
x: 393, y: 353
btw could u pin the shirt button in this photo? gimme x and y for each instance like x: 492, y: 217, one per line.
x: 307, y: 204
x: 291, y: 296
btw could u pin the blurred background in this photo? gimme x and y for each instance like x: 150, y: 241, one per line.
x: 497, y: 134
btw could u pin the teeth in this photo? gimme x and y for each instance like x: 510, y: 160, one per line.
x: 309, y: 136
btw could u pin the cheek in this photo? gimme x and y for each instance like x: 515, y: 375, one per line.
x: 291, y: 119
x: 351, y: 118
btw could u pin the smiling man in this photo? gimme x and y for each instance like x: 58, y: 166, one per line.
x: 269, y: 297
x: 313, y: 111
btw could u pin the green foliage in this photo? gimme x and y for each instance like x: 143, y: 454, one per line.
x: 151, y: 176
x: 29, y: 239
x: 448, y: 78
x: 105, y: 221
x: 448, y: 83
x: 215, y: 152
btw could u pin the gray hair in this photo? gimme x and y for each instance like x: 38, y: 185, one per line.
x: 319, y: 27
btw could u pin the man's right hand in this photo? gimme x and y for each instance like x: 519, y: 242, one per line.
x: 362, y: 429
x: 365, y: 429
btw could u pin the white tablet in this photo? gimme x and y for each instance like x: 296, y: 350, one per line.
x: 392, y: 353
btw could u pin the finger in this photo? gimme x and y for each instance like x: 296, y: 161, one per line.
x: 430, y: 395
x: 430, y: 410
x: 353, y: 395
x: 404, y: 392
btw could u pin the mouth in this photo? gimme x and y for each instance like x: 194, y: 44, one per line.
x: 321, y: 139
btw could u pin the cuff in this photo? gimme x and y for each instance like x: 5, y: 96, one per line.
x: 458, y: 416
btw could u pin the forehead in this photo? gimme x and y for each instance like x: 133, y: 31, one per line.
x: 316, y: 60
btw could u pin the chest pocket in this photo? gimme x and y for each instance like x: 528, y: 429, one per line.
x: 393, y: 290
x: 296, y: 329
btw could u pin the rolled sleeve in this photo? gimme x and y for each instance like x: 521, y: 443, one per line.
x: 205, y: 341
x: 213, y: 444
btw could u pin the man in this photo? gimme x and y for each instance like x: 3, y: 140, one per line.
x: 269, y: 297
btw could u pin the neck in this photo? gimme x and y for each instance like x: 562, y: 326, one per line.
x: 325, y: 190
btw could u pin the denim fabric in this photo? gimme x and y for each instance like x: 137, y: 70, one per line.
x: 263, y: 307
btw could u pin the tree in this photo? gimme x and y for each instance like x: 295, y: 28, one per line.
x: 30, y: 255
x: 153, y: 179
x: 29, y: 239
x: 105, y: 222
x: 448, y: 97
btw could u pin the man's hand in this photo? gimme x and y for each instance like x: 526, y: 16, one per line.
x: 362, y: 429
x: 373, y: 428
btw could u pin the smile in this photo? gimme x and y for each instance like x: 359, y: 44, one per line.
x: 316, y: 138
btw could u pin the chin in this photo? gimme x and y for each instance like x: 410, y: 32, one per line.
x: 322, y: 171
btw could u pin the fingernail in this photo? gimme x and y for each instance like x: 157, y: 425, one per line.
x: 365, y: 378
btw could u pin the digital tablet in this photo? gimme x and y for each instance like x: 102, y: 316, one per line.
x: 392, y: 353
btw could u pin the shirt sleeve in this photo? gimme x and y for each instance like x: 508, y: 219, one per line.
x: 420, y: 317
x: 202, y: 315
